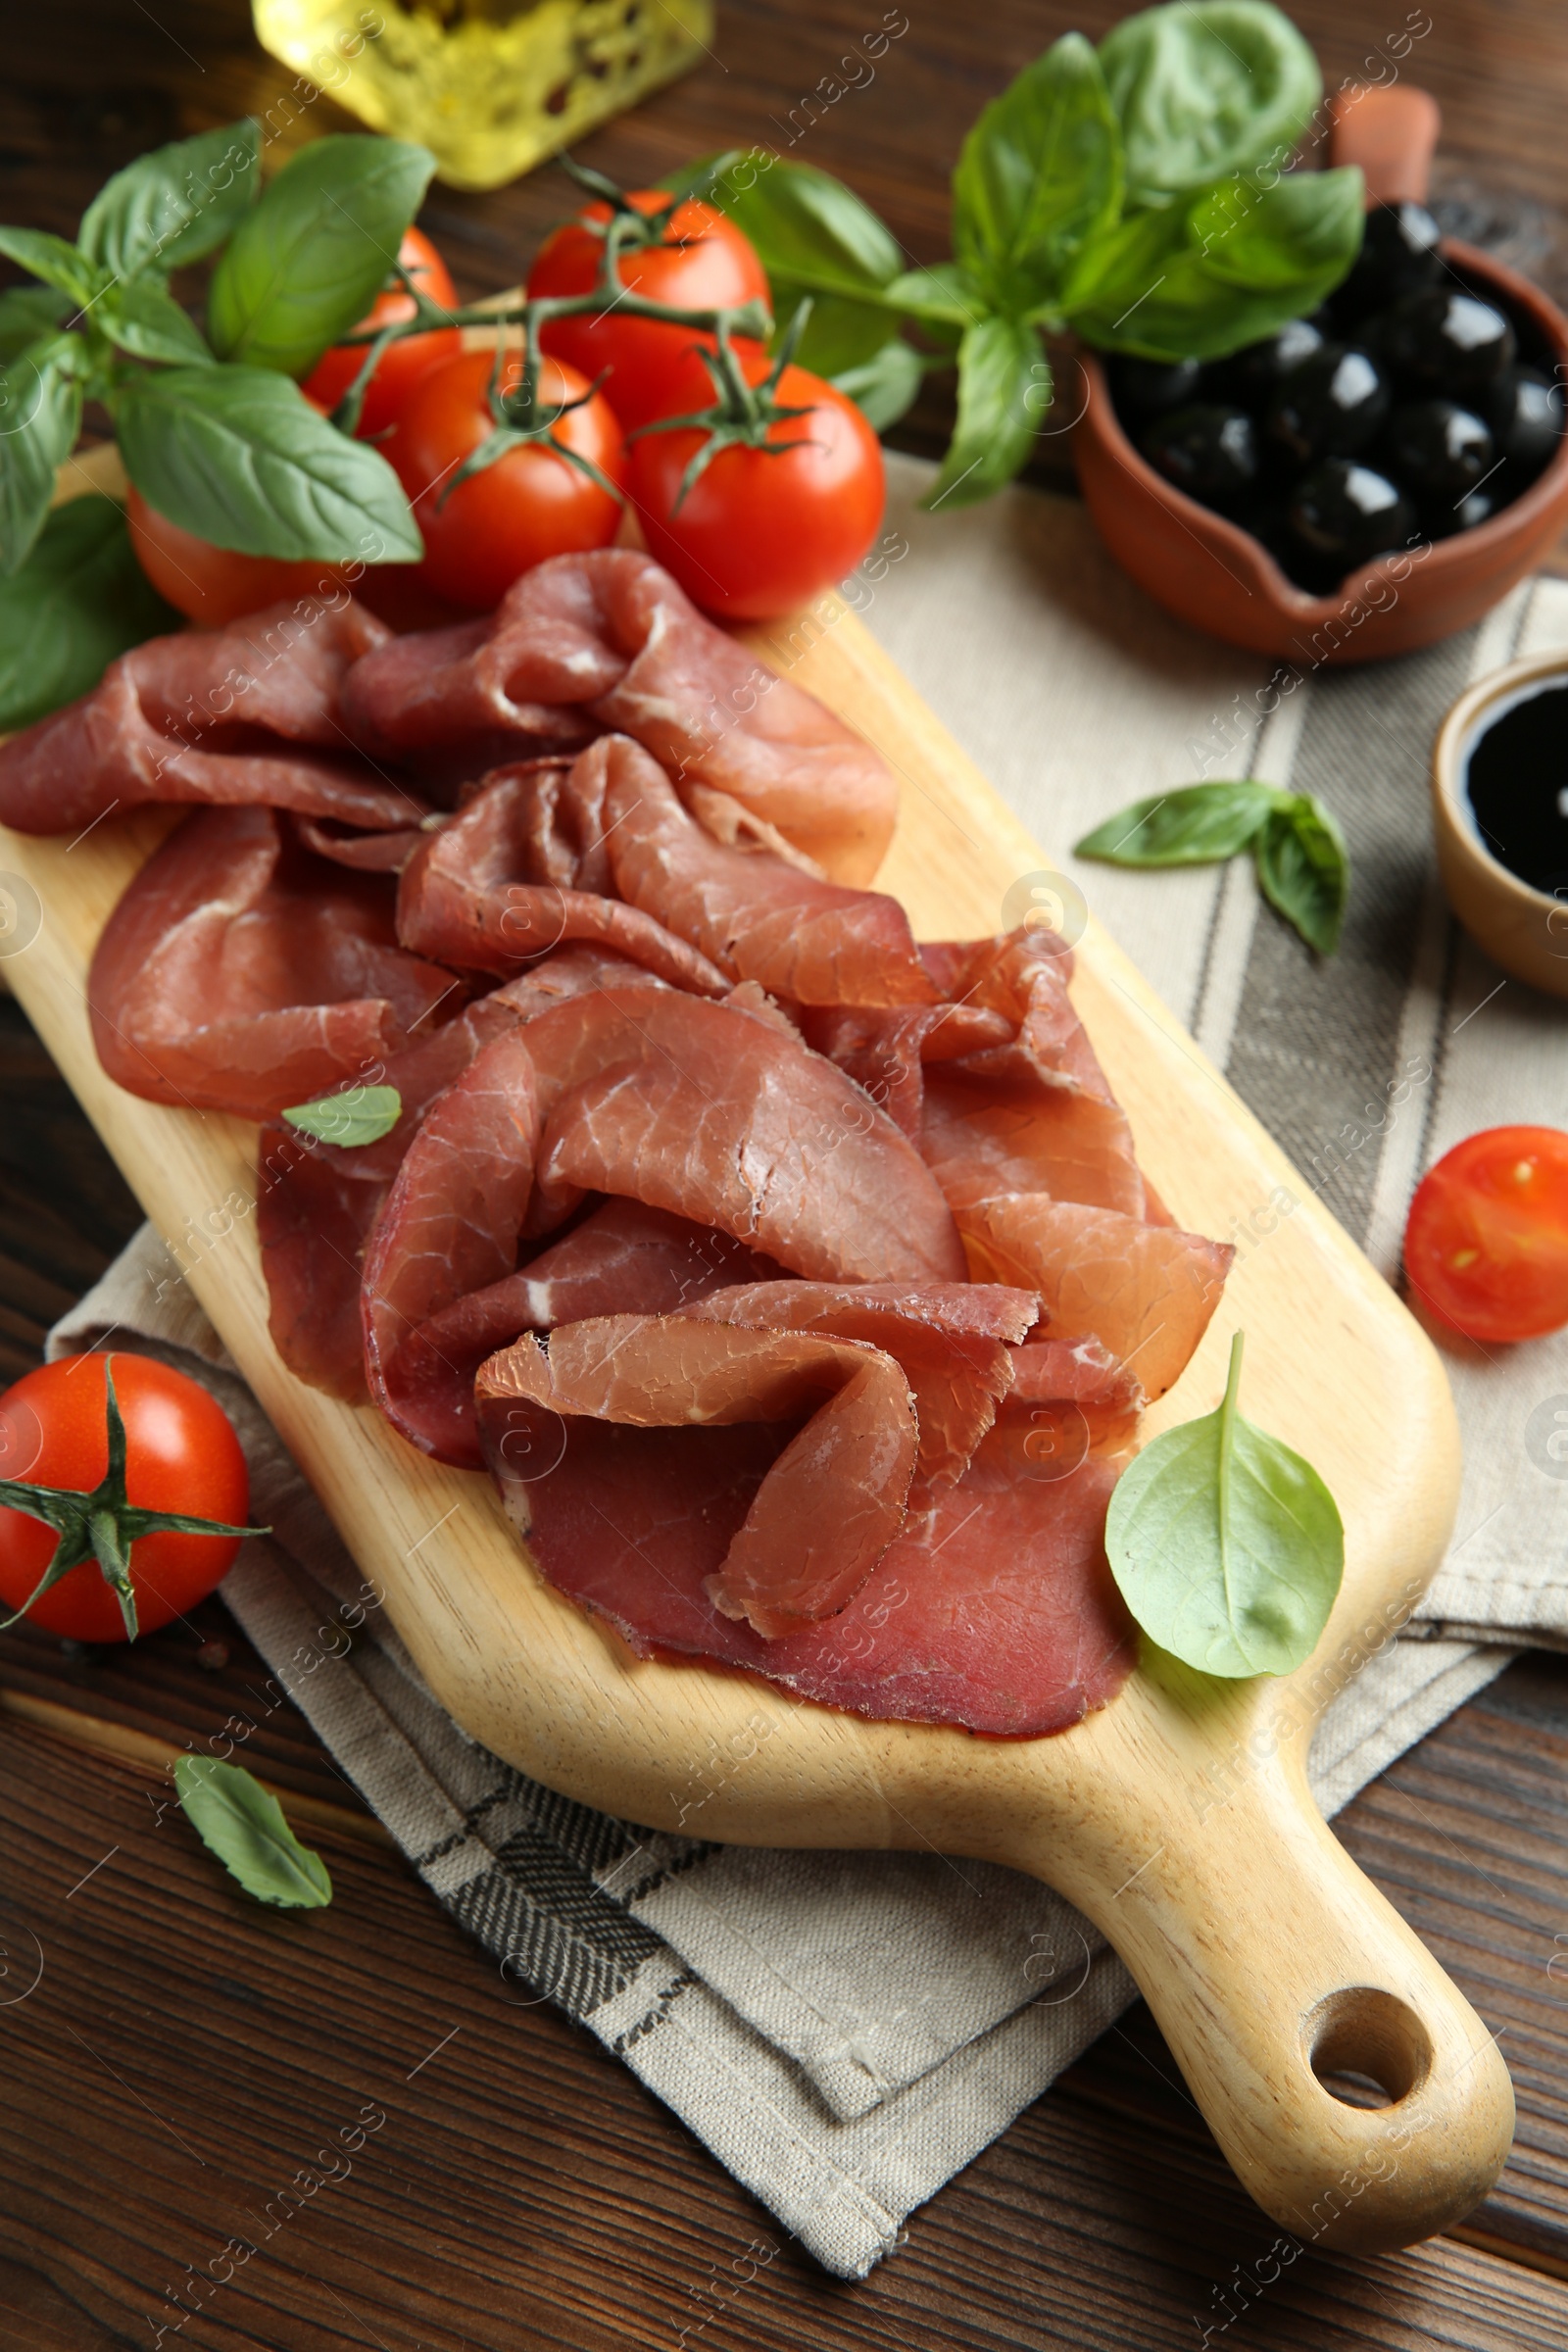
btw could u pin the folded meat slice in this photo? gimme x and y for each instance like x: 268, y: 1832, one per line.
x: 754, y: 916
x: 1147, y: 1292
x: 240, y: 973
x: 481, y: 892
x: 248, y: 715
x: 606, y: 640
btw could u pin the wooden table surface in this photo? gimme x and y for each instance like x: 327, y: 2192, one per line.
x: 170, y: 2054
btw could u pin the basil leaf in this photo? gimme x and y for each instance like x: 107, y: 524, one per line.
x: 238, y: 455
x: 1039, y: 176
x: 309, y: 259
x: 27, y: 314
x: 1227, y: 1547
x: 139, y: 317
x: 814, y: 237
x: 1004, y: 395
x: 1206, y: 89
x: 944, y: 296
x: 1305, y: 869
x: 1198, y: 281
x: 361, y: 1115
x: 884, y: 386
x: 1192, y: 826
x: 41, y: 417
x: 243, y: 1824
x: 53, y: 260
x: 79, y: 598
x: 174, y: 205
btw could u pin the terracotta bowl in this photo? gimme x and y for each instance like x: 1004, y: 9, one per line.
x: 1521, y: 928
x: 1214, y: 575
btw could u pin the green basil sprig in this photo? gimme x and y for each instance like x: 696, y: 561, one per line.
x: 244, y: 1826
x: 81, y: 599
x: 1227, y: 1545
x: 1137, y: 194
x: 1304, y: 865
x: 361, y: 1115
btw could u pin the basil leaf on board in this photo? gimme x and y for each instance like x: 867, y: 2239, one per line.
x: 140, y: 317
x: 361, y: 1116
x: 41, y: 417
x: 1195, y: 825
x: 1199, y: 280
x: 1039, y: 176
x: 1305, y: 869
x: 1206, y: 89
x: 884, y: 386
x: 238, y: 455
x: 310, y: 257
x: 814, y: 237
x: 27, y: 314
x: 175, y: 204
x: 1004, y: 395
x: 1228, y: 1547
x: 243, y: 1824
x: 56, y: 261
x: 79, y: 598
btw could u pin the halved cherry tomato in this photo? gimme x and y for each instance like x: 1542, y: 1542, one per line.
x: 210, y: 584
x: 401, y: 365
x: 529, y: 503
x: 1487, y: 1244
x: 703, y: 264
x: 763, y: 530
x: 181, y: 1455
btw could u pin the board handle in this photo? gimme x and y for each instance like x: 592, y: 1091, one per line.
x: 1271, y: 1962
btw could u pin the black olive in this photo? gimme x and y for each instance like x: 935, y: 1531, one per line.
x: 1437, y: 449
x: 1349, y: 513
x: 1524, y: 412
x: 1142, y: 389
x: 1446, y: 521
x: 1207, y: 451
x: 1444, y: 341
x: 1399, y: 256
x: 1250, y: 377
x: 1331, y: 406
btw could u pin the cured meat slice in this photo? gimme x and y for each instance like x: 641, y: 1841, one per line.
x: 1146, y: 1291
x: 831, y: 1502
x: 238, y: 974
x: 885, y: 1052
x: 752, y: 915
x: 246, y: 716
x: 475, y: 895
x: 606, y: 640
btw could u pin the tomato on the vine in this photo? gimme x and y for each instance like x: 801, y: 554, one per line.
x: 212, y: 585
x: 702, y: 262
x: 1486, y: 1245
x: 764, y: 529
x: 527, y: 503
x: 182, y: 1460
x: 402, y: 364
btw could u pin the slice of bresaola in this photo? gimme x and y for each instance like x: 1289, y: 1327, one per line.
x: 607, y: 641
x: 239, y: 972
x: 245, y: 716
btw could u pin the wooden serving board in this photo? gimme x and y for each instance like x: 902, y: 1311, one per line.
x: 1179, y: 1817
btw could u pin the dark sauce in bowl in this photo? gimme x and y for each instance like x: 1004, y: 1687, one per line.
x: 1516, y: 783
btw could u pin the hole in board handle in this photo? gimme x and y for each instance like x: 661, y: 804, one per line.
x: 1367, y: 2047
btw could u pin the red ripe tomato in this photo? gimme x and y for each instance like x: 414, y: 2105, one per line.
x: 529, y: 503
x: 703, y: 264
x: 760, y: 533
x: 181, y: 1455
x: 1486, y: 1245
x: 401, y: 365
x: 212, y: 585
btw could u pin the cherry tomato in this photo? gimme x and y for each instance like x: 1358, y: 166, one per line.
x: 401, y: 365
x: 760, y: 532
x: 1486, y: 1245
x: 212, y: 585
x: 703, y: 264
x: 529, y: 503
x: 181, y: 1454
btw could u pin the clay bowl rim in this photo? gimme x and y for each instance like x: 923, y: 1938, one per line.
x: 1450, y: 555
x: 1462, y: 723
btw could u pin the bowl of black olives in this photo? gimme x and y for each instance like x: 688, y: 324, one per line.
x: 1366, y: 480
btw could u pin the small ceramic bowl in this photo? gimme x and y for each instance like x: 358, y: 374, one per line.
x: 1212, y: 573
x: 1522, y: 930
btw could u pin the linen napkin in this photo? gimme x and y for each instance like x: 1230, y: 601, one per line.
x: 845, y: 2031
